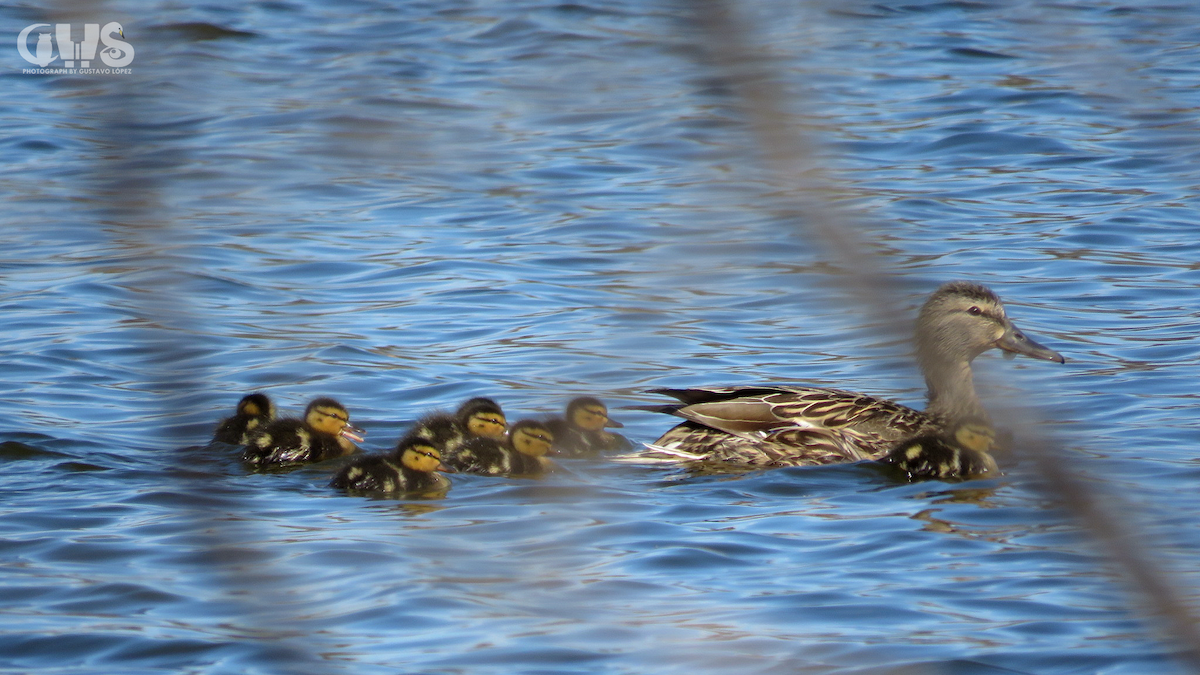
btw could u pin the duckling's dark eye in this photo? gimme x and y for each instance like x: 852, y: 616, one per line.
x: 974, y: 311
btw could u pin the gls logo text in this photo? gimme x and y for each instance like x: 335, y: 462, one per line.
x: 117, y: 53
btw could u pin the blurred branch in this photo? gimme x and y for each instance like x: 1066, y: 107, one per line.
x: 790, y: 156
x: 126, y: 185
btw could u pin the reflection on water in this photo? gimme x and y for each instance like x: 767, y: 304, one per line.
x: 406, y: 205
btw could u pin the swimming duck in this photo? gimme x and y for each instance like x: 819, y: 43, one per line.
x: 522, y: 452
x: 580, y: 432
x: 411, y: 467
x: 799, y: 425
x: 963, y: 454
x: 253, y: 411
x: 475, y: 417
x: 324, y: 433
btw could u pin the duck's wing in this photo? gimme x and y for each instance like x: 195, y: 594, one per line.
x: 694, y: 444
x: 782, y: 426
x: 754, y: 412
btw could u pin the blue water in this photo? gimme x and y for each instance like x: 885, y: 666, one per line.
x: 405, y: 204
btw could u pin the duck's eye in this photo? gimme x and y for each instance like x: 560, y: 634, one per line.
x: 974, y: 311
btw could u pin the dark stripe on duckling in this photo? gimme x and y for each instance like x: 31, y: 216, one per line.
x: 963, y: 454
x: 324, y: 433
x: 411, y: 467
x: 581, y: 431
x: 253, y: 411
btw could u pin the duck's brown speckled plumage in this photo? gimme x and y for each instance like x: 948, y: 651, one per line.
x: 784, y: 425
x: 802, y: 425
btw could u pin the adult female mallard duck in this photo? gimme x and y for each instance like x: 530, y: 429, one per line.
x: 522, y: 452
x: 411, y: 467
x: 476, y: 417
x: 797, y: 425
x: 962, y: 454
x: 253, y: 411
x: 581, y: 432
x: 324, y: 433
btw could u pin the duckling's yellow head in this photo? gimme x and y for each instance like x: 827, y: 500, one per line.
x: 256, y: 405
x: 483, y: 417
x: 590, y: 414
x: 531, y: 438
x: 420, y: 456
x: 328, y: 416
x: 491, y: 425
x: 975, y: 436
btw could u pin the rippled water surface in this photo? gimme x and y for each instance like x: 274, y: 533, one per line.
x: 405, y: 204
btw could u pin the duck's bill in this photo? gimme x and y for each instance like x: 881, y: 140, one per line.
x: 610, y: 422
x: 444, y: 469
x: 353, y: 433
x: 1015, y: 342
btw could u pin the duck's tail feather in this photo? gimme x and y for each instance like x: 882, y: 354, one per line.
x: 667, y: 408
x: 659, y: 454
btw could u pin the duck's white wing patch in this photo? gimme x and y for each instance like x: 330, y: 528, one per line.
x: 658, y: 454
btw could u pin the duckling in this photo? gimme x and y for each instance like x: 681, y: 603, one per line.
x: 253, y: 411
x: 580, y: 433
x: 530, y: 441
x: 324, y: 433
x: 522, y: 452
x: 411, y: 467
x: 475, y: 417
x: 940, y: 455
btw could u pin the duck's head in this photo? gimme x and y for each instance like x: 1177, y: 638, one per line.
x: 961, y: 320
x: 256, y: 405
x: 419, y: 455
x: 530, y: 437
x: 975, y: 435
x: 329, y: 416
x: 482, y: 417
x: 590, y: 414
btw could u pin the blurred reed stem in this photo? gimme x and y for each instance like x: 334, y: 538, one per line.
x: 788, y: 153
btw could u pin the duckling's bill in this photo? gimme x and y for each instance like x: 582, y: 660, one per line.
x: 353, y: 433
